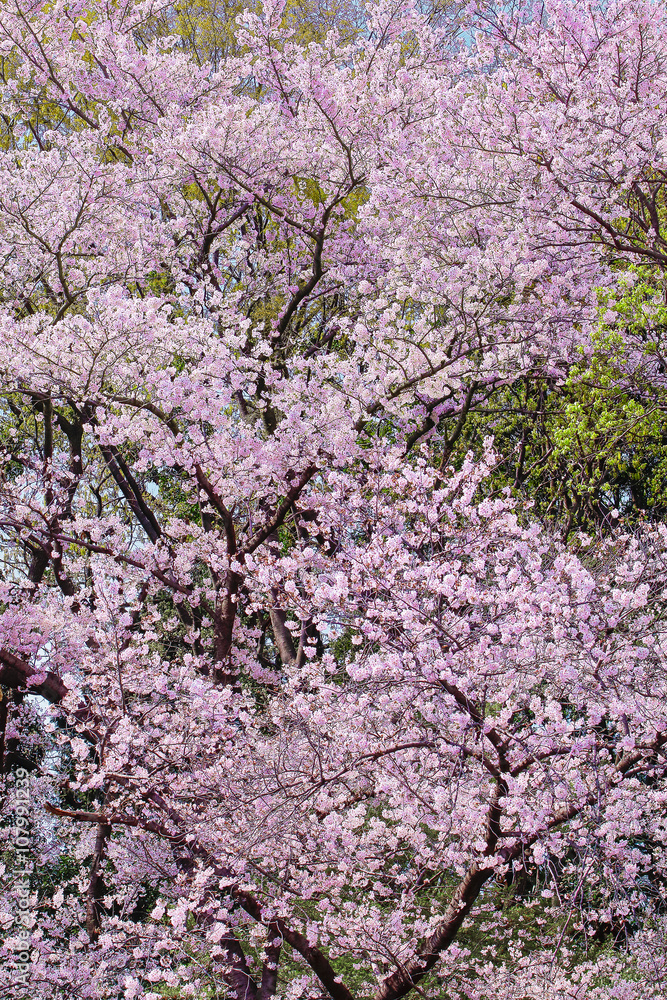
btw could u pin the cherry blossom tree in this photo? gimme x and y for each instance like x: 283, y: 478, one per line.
x: 311, y: 711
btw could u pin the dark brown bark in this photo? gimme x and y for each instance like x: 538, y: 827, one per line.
x: 95, y: 890
x: 131, y: 491
x: 282, y: 636
x: 16, y: 673
x: 235, y: 971
x: 272, y: 948
x: 246, y: 900
x: 263, y: 533
x: 225, y: 617
x: 3, y: 731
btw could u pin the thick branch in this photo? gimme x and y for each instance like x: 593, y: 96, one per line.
x: 131, y: 491
x: 95, y: 890
x: 245, y: 899
x: 401, y: 982
x: 271, y: 960
x: 292, y: 494
x: 16, y: 673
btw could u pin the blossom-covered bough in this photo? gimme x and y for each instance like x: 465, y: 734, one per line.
x: 320, y: 713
